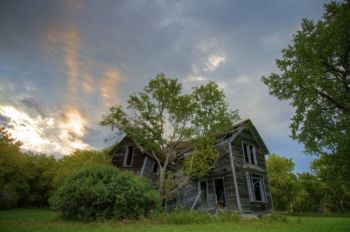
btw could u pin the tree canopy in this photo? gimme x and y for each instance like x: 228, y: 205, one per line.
x: 282, y: 181
x: 161, y: 118
x: 315, y: 78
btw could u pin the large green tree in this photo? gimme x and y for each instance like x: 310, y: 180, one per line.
x: 315, y: 78
x: 161, y: 118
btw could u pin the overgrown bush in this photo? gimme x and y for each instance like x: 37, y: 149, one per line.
x: 104, y: 192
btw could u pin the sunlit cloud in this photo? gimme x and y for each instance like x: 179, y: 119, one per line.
x: 38, y: 134
x: 197, y: 78
x: 109, y: 85
x: 71, y: 41
x: 73, y: 121
x: 213, y: 62
x: 67, y: 39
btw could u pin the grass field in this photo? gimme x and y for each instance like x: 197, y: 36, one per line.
x: 45, y: 220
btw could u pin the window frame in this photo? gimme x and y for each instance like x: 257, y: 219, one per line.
x: 251, y: 186
x: 199, y: 189
x: 250, y: 153
x: 127, y: 155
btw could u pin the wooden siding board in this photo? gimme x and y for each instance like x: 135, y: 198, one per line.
x: 118, y: 157
x: 248, y: 206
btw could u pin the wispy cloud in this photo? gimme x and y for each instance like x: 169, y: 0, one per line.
x: 67, y: 39
x: 109, y: 86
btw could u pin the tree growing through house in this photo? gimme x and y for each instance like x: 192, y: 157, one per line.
x: 161, y: 118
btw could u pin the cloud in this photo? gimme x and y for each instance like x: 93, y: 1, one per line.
x: 214, y: 60
x: 73, y: 121
x: 67, y: 39
x: 271, y: 116
x: 50, y: 135
x: 192, y: 78
x: 31, y: 104
x: 109, y: 86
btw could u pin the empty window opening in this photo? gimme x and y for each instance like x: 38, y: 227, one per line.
x: 203, y: 188
x: 155, y: 167
x: 257, y: 187
x: 129, y: 156
x: 249, y: 153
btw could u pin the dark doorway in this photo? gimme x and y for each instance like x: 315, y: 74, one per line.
x: 220, y: 192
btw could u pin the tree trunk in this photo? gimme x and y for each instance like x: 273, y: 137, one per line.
x: 162, y: 181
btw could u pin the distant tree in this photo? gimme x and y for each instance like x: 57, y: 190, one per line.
x: 25, y: 179
x: 161, y: 118
x: 76, y: 161
x: 334, y: 174
x: 41, y: 170
x: 282, y: 181
x: 309, y: 195
x: 12, y: 181
x: 315, y: 78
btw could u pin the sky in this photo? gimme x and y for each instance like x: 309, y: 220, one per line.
x: 64, y: 63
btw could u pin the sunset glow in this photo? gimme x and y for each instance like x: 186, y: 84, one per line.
x: 36, y: 132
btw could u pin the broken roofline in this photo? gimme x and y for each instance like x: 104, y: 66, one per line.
x: 231, y: 134
x: 225, y: 137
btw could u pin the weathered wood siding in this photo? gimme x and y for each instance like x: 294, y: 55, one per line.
x: 138, y: 159
x: 187, y: 195
x: 239, y: 161
x: 222, y: 170
x: 148, y: 170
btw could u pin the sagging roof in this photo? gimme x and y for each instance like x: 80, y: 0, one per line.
x: 233, y: 132
x: 184, y: 147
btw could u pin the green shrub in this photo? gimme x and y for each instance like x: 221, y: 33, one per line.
x: 104, y: 192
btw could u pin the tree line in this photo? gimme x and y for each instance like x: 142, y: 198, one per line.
x: 324, y: 189
x: 28, y: 180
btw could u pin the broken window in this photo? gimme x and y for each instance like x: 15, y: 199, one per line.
x: 203, y: 188
x: 249, y: 153
x: 129, y: 156
x: 257, y: 186
x: 155, y: 167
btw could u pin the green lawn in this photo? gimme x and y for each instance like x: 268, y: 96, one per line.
x: 46, y: 220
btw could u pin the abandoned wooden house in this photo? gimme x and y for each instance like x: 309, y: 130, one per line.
x: 237, y: 182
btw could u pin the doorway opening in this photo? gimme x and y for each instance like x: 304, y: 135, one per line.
x: 220, y: 192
